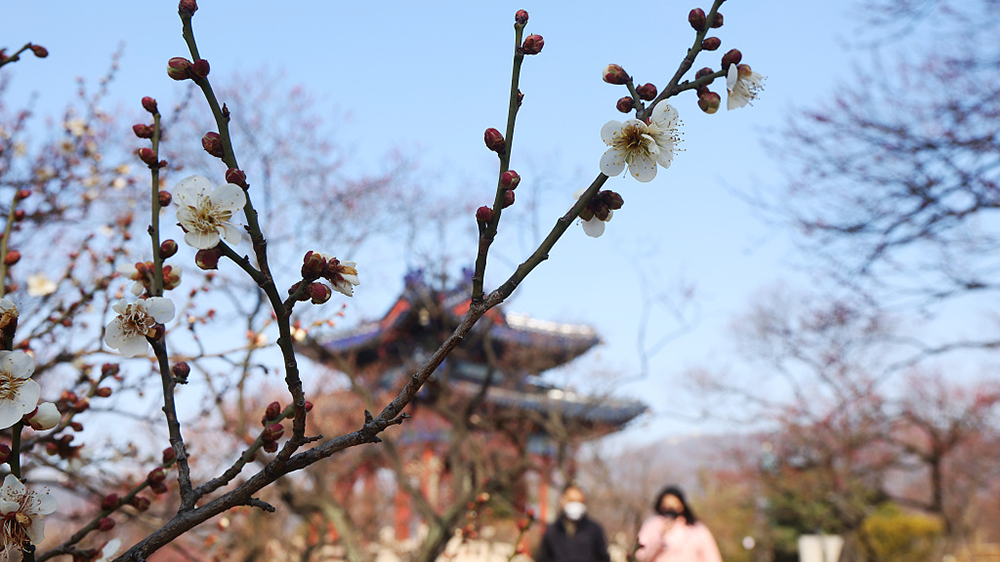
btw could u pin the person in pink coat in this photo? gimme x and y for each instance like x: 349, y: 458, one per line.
x: 674, y: 534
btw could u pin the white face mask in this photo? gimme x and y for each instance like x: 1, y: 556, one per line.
x: 574, y: 510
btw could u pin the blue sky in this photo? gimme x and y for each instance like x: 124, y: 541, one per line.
x: 429, y: 77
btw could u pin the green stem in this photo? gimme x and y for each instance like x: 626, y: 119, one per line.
x: 3, y: 246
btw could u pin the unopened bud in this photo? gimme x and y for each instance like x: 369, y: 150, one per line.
x: 212, y: 143
x: 625, y: 104
x: 484, y: 214
x: 734, y: 56
x: 717, y: 20
x: 647, y: 91
x: 703, y: 73
x: 168, y: 247
x: 22, y: 194
x: 103, y: 392
x: 307, y: 406
x: 187, y: 7
x: 532, y: 44
x: 207, y: 259
x: 510, y: 179
x: 272, y: 411
x: 181, y: 370
x: 521, y: 17
x: 270, y: 446
x: 111, y: 502
x: 711, y: 43
x: 12, y: 257
x: 612, y: 199
x: 273, y: 432
x: 508, y: 198
x: 105, y: 524
x: 45, y: 416
x: 164, y: 198
x: 39, y: 51
x: 319, y: 293
x: 179, y: 68
x: 76, y: 426
x: 236, y: 176
x: 709, y: 102
x: 148, y: 156
x: 200, y: 68
x: 140, y: 503
x: 19, y: 215
x: 142, y: 131
x: 696, y: 18
x: 158, y: 488
x: 158, y: 474
x: 313, y: 265
x: 149, y: 104
x: 494, y: 140
x: 615, y: 74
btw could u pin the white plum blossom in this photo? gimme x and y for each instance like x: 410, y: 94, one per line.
x: 18, y: 393
x: 641, y: 145
x: 45, y: 416
x: 204, y: 212
x: 110, y: 549
x: 21, y: 510
x: 39, y: 285
x: 342, y: 275
x: 743, y: 85
x: 127, y: 332
x: 594, y: 227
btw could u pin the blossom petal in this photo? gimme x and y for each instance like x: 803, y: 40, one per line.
x: 229, y: 197
x: 612, y: 163
x: 608, y: 131
x: 665, y: 115
x: 594, y: 227
x: 202, y: 240
x: 231, y: 233
x: 732, y: 76
x: 160, y: 308
x: 45, y: 503
x: 643, y: 168
x: 665, y: 157
x: 17, y: 363
x: 191, y: 188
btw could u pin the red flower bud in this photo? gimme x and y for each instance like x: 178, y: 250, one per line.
x: 168, y: 247
x: 147, y: 155
x: 22, y: 194
x: 615, y: 74
x: 19, y: 215
x: 110, y: 502
x: 207, y: 259
x: 12, y: 257
x: 484, y: 214
x: 142, y: 131
x: 624, y: 104
x: 169, y: 456
x: 156, y: 332
x: 307, y: 406
x: 709, y: 102
x: 140, y: 503
x: 181, y: 370
x: 212, y: 143
x: 270, y: 446
x: 494, y: 140
x: 711, y: 43
x: 313, y: 265
x: 273, y: 432
x: 149, y: 104
x: 236, y: 176
x: 647, y: 92
x: 158, y: 488
x: 103, y: 392
x: 164, y: 197
x: 272, y: 411
x: 696, y: 18
x: 612, y: 199
x: 510, y: 179
x: 105, y: 524
x: 76, y: 426
x: 319, y: 293
x: 508, y: 198
x: 532, y: 44
x: 158, y: 474
x: 717, y: 20
x: 39, y: 51
x: 521, y: 17
x: 179, y: 68
x: 734, y: 56
x: 703, y: 73
x: 200, y: 68
x: 187, y: 7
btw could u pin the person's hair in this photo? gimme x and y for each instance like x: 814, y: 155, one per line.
x: 672, y: 490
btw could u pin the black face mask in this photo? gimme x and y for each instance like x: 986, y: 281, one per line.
x: 670, y: 513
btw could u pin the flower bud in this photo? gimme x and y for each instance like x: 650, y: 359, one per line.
x: 709, y: 102
x: 484, y: 214
x: 625, y: 104
x: 187, y: 7
x: 200, y: 68
x: 76, y: 426
x: 147, y: 155
x: 307, y: 406
x: 717, y: 20
x: 105, y: 524
x: 212, y: 143
x: 158, y: 474
x: 696, y: 18
x: 319, y: 293
x: 273, y: 432
x: 168, y: 247
x: 103, y: 392
x: 39, y: 51
x: 181, y: 370
x: 510, y: 179
x: 45, y: 416
x: 140, y: 503
x: 236, y: 176
x: 156, y: 331
x: 270, y: 446
x: 295, y: 287
x: 313, y: 265
x: 179, y: 68
x: 22, y: 194
x: 19, y: 215
x: 612, y: 199
x: 734, y: 56
x: 149, y: 104
x: 646, y: 91
x: 12, y: 257
x: 50, y: 448
x: 207, y: 259
x: 521, y: 17
x: 711, y: 43
x: 169, y: 456
x: 272, y: 411
x: 142, y: 131
x: 615, y: 74
x: 158, y: 488
x: 703, y: 73
x: 494, y: 140
x: 111, y: 502
x: 508, y: 198
x: 533, y: 44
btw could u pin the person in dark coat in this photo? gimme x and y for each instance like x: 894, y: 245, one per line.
x: 573, y: 537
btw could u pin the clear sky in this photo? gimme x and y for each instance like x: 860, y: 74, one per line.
x: 429, y: 77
